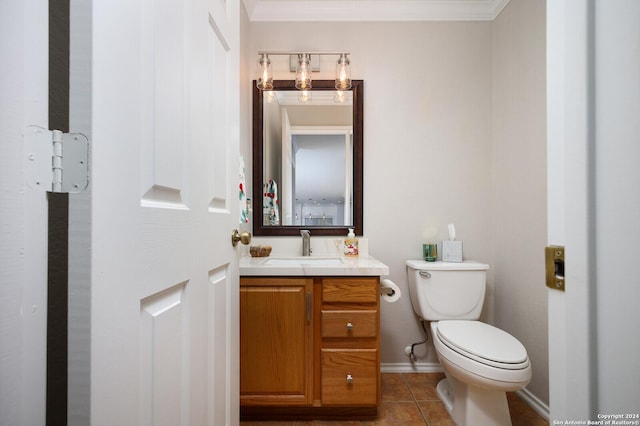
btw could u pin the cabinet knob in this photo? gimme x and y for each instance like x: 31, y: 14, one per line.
x: 349, y: 326
x: 349, y: 378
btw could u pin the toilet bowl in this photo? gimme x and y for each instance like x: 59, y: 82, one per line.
x: 480, y: 362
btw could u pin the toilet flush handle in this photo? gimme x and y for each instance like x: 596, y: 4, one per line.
x: 425, y: 274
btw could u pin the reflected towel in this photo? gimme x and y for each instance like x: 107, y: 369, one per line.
x: 242, y: 195
x: 270, y: 205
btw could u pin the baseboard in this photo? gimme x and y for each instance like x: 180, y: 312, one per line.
x: 534, y: 402
x: 410, y: 367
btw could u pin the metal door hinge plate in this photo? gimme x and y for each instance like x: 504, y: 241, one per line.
x: 554, y: 265
x: 56, y: 161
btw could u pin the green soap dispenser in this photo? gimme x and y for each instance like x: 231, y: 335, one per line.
x: 351, y: 244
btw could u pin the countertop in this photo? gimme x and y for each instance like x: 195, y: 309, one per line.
x: 312, y: 266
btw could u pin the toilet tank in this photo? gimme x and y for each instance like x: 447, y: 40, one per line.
x: 447, y: 290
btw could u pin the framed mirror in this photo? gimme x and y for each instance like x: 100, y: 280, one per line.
x: 307, y: 159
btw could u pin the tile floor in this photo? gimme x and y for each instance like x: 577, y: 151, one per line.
x: 411, y: 399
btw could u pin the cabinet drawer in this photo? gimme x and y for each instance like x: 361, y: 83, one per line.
x: 350, y: 290
x: 349, y: 323
x: 349, y: 377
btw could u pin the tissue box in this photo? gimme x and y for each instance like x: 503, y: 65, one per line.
x: 452, y: 251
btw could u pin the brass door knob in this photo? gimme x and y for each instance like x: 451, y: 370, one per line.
x: 244, y: 238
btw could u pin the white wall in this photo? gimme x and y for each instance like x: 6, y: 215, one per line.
x: 519, y: 220
x: 427, y: 122
x: 429, y: 156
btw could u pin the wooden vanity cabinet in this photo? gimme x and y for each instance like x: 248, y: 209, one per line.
x: 276, y: 337
x: 350, y: 341
x: 309, y: 347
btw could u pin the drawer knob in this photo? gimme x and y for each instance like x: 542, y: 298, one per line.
x: 349, y: 326
x: 349, y: 378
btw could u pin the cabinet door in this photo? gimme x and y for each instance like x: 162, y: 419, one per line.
x: 275, y: 341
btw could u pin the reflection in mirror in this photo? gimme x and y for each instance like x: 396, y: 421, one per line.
x: 307, y: 159
x: 308, y: 150
x: 325, y: 201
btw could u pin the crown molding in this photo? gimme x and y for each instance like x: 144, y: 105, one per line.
x: 373, y: 10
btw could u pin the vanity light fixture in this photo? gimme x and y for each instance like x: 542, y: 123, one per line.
x: 303, y: 80
x: 265, y: 75
x: 343, y: 73
x: 303, y: 72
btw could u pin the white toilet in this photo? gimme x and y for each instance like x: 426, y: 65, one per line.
x: 481, y: 362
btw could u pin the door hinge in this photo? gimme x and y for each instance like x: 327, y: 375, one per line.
x: 56, y: 161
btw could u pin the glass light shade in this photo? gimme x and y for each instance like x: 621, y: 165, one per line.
x: 265, y: 76
x: 303, y: 72
x: 343, y: 73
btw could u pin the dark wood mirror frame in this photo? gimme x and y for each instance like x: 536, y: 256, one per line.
x: 259, y: 228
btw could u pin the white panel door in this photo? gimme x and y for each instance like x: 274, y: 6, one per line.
x: 23, y: 215
x: 164, y: 277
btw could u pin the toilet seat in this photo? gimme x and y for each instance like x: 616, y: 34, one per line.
x: 471, y: 368
x: 483, y: 343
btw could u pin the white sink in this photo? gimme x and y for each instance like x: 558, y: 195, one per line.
x: 304, y: 260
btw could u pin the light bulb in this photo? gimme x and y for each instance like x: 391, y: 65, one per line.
x: 343, y: 73
x: 265, y: 77
x: 303, y: 72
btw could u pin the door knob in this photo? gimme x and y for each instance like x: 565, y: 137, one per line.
x: 244, y: 238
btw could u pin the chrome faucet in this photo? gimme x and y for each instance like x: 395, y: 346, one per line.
x: 306, y: 242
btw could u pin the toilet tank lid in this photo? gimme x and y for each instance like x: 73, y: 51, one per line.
x: 467, y: 265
